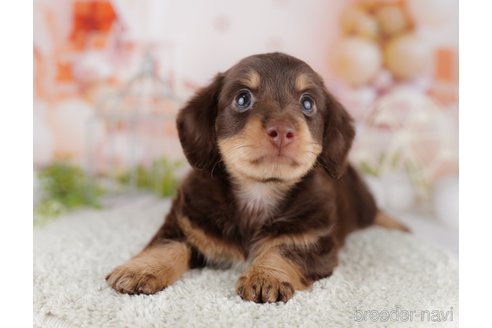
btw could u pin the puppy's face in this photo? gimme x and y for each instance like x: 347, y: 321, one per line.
x: 268, y: 118
x: 270, y: 121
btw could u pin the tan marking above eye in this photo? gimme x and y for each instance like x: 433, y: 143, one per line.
x: 303, y: 82
x: 251, y: 80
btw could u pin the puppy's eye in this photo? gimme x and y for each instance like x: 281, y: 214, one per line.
x: 243, y: 101
x: 307, y: 104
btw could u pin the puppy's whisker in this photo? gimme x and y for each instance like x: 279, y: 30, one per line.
x: 241, y: 146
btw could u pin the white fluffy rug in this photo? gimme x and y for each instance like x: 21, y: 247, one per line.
x: 379, y: 271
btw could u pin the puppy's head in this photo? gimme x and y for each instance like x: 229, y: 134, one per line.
x: 268, y: 118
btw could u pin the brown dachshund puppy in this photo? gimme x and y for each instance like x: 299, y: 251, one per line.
x: 270, y: 185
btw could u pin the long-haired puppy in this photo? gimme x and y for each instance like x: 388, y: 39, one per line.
x: 270, y: 185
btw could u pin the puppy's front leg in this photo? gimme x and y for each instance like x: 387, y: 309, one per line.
x: 156, y: 267
x: 279, y: 269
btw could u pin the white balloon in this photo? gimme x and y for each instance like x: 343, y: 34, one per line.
x: 356, y: 60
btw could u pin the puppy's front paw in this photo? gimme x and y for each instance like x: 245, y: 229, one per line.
x: 261, y: 287
x: 132, y: 278
x: 152, y: 270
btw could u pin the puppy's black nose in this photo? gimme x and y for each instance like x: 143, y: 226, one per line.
x: 280, y: 134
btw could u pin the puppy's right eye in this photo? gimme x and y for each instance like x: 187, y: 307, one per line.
x: 243, y: 101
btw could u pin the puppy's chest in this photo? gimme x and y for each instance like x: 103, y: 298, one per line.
x: 257, y: 202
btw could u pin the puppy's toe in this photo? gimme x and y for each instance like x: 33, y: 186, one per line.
x: 149, y: 284
x: 269, y: 293
x: 285, y: 292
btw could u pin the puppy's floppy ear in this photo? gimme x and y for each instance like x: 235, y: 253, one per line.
x: 196, y: 126
x: 337, y: 138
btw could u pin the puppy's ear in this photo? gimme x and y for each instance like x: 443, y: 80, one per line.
x: 196, y: 126
x: 337, y: 138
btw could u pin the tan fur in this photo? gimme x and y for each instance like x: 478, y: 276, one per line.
x: 270, y: 278
x: 153, y: 269
x: 279, y: 267
x: 246, y: 154
x: 214, y: 249
x: 252, y: 80
x: 303, y: 82
x: 299, y: 241
x: 387, y: 221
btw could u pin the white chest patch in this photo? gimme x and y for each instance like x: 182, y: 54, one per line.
x: 259, y: 199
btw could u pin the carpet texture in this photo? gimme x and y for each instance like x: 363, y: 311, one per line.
x: 379, y: 270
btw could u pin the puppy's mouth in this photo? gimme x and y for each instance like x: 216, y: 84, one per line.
x: 278, y: 158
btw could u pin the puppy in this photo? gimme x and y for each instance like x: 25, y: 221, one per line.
x: 270, y: 185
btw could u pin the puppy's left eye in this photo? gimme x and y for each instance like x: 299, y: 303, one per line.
x: 243, y: 100
x: 307, y: 104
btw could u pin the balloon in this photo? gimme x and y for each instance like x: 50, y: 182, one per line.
x: 356, y: 60
x: 392, y: 20
x: 349, y: 17
x: 367, y: 27
x: 372, y: 4
x: 356, y: 21
x: 407, y: 56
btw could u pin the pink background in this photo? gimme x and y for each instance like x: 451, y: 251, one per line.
x: 76, y: 69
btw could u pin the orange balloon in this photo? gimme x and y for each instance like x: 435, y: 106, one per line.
x: 356, y: 60
x: 407, y: 56
x: 392, y: 20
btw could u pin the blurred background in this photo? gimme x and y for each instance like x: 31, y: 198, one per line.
x: 110, y: 76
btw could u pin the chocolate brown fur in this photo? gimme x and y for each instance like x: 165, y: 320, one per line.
x: 270, y: 184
